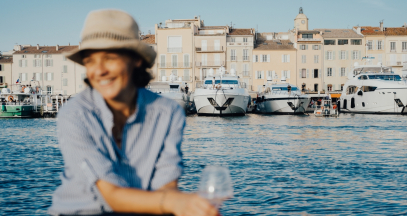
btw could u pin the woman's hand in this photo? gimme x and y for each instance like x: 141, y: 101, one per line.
x: 183, y: 204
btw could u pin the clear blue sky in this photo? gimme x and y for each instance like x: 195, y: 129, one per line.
x: 47, y: 22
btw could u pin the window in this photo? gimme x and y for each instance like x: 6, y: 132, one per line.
x: 233, y: 55
x: 37, y: 77
x: 246, y: 70
x: 162, y: 61
x: 356, y: 42
x: 245, y: 54
x: 303, y: 47
x: 304, y: 59
x: 49, y: 89
x: 329, y: 42
x: 1, y: 79
x: 259, y: 74
x: 342, y: 55
x: 63, y: 58
x: 1, y: 67
x: 186, y: 60
x: 265, y: 58
x: 23, y: 76
x: 368, y: 88
x: 232, y: 39
x: 217, y: 45
x: 315, y: 87
x: 307, y: 36
x: 285, y: 58
x: 343, y: 41
x: 255, y: 58
x: 23, y: 56
x: 245, y: 40
x: 22, y: 63
x: 48, y: 56
x: 316, y: 59
x: 285, y: 74
x: 65, y: 69
x: 316, y: 73
x: 162, y: 74
x: 393, y: 46
x: 379, y: 45
x: 174, y: 44
x: 329, y: 55
x: 186, y: 75
x: 404, y: 46
x: 174, y: 60
x: 49, y: 63
x: 369, y: 45
x: 303, y: 73
x: 204, y: 59
x: 355, y: 54
x: 50, y: 76
x: 37, y: 63
x: 343, y: 71
x: 174, y: 72
x: 329, y: 72
x: 329, y: 87
x: 316, y: 47
x: 217, y: 59
x: 65, y: 82
x: 342, y: 87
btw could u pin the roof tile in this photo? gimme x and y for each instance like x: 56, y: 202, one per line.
x: 48, y: 49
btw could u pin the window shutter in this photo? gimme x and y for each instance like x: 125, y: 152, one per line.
x: 306, y: 47
x: 299, y: 73
x: 261, y: 58
x: 52, y: 62
x: 282, y: 58
x: 353, y: 55
x: 268, y: 58
x: 319, y: 47
x: 347, y: 55
x: 262, y: 74
x: 307, y: 73
x: 288, y: 74
x: 333, y: 72
x: 52, y: 76
x: 360, y: 55
x: 382, y: 44
x: 319, y: 73
x: 374, y: 44
x: 333, y: 55
x: 326, y: 55
x: 326, y: 87
x: 34, y: 63
x: 288, y: 58
x: 326, y: 72
x: 333, y: 87
x: 20, y: 64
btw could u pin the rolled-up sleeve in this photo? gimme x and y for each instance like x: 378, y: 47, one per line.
x: 82, y: 156
x: 169, y: 165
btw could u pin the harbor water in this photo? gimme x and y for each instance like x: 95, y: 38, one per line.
x: 289, y: 165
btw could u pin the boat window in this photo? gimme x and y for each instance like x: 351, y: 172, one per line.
x: 232, y: 82
x: 386, y: 77
x: 208, y: 81
x: 351, y: 90
x: 174, y: 86
x: 368, y: 88
x: 293, y: 88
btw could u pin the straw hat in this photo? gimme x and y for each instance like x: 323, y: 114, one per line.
x: 112, y: 29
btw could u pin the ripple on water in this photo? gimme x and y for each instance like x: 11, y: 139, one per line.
x: 290, y: 165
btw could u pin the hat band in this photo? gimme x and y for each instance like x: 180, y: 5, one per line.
x: 105, y: 35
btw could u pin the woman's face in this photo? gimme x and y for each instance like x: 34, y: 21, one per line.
x: 110, y: 73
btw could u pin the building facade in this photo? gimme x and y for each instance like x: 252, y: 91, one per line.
x: 48, y: 66
x: 5, y: 71
x: 396, y: 47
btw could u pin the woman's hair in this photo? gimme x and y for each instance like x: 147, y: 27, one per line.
x: 140, y: 77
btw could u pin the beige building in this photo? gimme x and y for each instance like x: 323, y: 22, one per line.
x: 272, y: 60
x: 49, y: 67
x: 150, y: 40
x: 175, y: 49
x: 301, y: 21
x: 210, y: 51
x: 239, y: 45
x: 342, y: 48
x: 5, y: 71
x: 396, y: 47
x: 309, y: 60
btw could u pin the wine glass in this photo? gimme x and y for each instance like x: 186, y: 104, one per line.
x: 215, y: 185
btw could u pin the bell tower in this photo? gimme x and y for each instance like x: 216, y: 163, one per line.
x: 301, y: 21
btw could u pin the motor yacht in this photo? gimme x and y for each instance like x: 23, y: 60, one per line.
x: 281, y: 98
x: 221, y: 95
x: 374, y: 90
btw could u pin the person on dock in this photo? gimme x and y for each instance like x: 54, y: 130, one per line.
x: 121, y: 143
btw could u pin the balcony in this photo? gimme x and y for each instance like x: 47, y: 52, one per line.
x: 246, y: 73
x: 210, y: 64
x: 394, y: 63
x: 239, y: 58
x: 216, y: 49
x: 246, y: 58
x: 230, y: 43
x: 174, y: 65
x: 309, y: 39
x: 174, y: 50
x: 393, y: 50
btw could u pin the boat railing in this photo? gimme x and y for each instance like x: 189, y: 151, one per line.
x: 15, y: 103
x: 165, y: 90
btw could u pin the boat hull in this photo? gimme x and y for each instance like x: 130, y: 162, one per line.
x: 237, y: 107
x: 280, y: 105
x: 16, y: 111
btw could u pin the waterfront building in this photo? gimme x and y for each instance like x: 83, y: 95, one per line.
x: 175, y: 49
x: 341, y: 49
x: 375, y: 43
x: 239, y: 44
x: 5, y: 71
x: 396, y: 47
x: 272, y: 60
x: 48, y: 66
x: 150, y: 40
x: 210, y: 51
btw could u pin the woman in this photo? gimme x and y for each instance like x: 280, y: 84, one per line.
x: 120, y: 143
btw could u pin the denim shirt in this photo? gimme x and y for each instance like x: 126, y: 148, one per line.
x: 149, y: 158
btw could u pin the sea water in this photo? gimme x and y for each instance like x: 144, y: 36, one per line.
x: 290, y: 165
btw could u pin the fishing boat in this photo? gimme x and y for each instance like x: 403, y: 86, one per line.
x: 282, y: 98
x: 16, y: 105
x: 374, y: 89
x: 221, y: 95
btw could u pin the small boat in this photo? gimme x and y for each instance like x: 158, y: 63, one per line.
x: 326, y: 109
x: 282, y: 98
x: 16, y: 105
x: 172, y: 89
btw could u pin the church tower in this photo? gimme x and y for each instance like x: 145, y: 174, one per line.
x: 301, y: 21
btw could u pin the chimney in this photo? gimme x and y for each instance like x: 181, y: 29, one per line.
x: 381, y: 26
x: 57, y: 47
x: 359, y: 31
x: 69, y: 44
x: 38, y: 46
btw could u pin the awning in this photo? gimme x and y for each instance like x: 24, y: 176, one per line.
x: 335, y: 95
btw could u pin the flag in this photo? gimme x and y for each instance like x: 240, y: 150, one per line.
x: 18, y: 80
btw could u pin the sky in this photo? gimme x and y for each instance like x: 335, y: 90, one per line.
x: 47, y: 22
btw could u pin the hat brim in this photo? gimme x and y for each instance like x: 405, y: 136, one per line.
x: 137, y: 46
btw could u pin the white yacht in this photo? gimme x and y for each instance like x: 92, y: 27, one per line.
x: 374, y: 90
x: 173, y: 89
x: 221, y: 95
x: 282, y: 98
